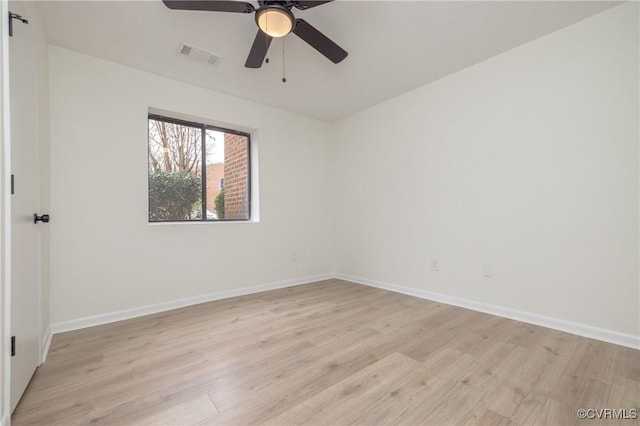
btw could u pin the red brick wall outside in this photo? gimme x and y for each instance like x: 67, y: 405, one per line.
x: 215, y: 172
x: 236, y: 184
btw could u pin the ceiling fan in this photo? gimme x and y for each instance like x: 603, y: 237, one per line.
x: 274, y: 19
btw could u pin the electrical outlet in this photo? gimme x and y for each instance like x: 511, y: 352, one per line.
x: 487, y: 271
x: 294, y: 257
x: 435, y: 265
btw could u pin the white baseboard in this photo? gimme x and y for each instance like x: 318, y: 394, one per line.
x: 92, y: 321
x: 583, y: 330
x: 46, y: 343
x: 5, y: 420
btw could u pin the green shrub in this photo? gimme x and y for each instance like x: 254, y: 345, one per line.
x: 220, y: 205
x: 174, y: 196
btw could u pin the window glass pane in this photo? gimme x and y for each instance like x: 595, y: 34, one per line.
x: 215, y: 174
x: 227, y: 176
x: 175, y: 171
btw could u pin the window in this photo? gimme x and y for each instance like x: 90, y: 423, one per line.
x: 197, y: 172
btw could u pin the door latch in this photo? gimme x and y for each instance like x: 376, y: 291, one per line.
x: 44, y: 218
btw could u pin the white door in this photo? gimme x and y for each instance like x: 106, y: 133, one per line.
x: 25, y: 238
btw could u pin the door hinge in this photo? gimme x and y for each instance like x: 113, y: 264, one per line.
x: 13, y: 345
x: 12, y: 185
x: 13, y: 16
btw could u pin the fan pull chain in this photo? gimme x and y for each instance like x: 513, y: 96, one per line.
x: 284, y: 79
x: 266, y: 40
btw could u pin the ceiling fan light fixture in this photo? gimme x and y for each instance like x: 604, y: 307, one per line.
x: 275, y: 20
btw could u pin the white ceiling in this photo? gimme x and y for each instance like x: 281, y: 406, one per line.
x: 394, y: 46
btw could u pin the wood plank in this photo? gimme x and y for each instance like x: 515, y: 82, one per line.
x: 332, y: 352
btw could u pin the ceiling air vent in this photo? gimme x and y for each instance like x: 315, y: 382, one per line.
x: 197, y: 54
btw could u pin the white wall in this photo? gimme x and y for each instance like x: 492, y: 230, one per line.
x: 106, y: 257
x: 527, y: 161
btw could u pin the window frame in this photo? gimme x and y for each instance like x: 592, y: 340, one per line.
x: 203, y: 149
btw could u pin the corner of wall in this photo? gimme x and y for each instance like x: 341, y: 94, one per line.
x: 45, y: 344
x: 484, y: 170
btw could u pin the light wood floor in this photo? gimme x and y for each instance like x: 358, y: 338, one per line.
x: 327, y: 353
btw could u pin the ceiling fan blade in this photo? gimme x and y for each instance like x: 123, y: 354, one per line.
x: 258, y: 51
x: 302, y: 5
x: 319, y: 41
x: 210, y: 5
